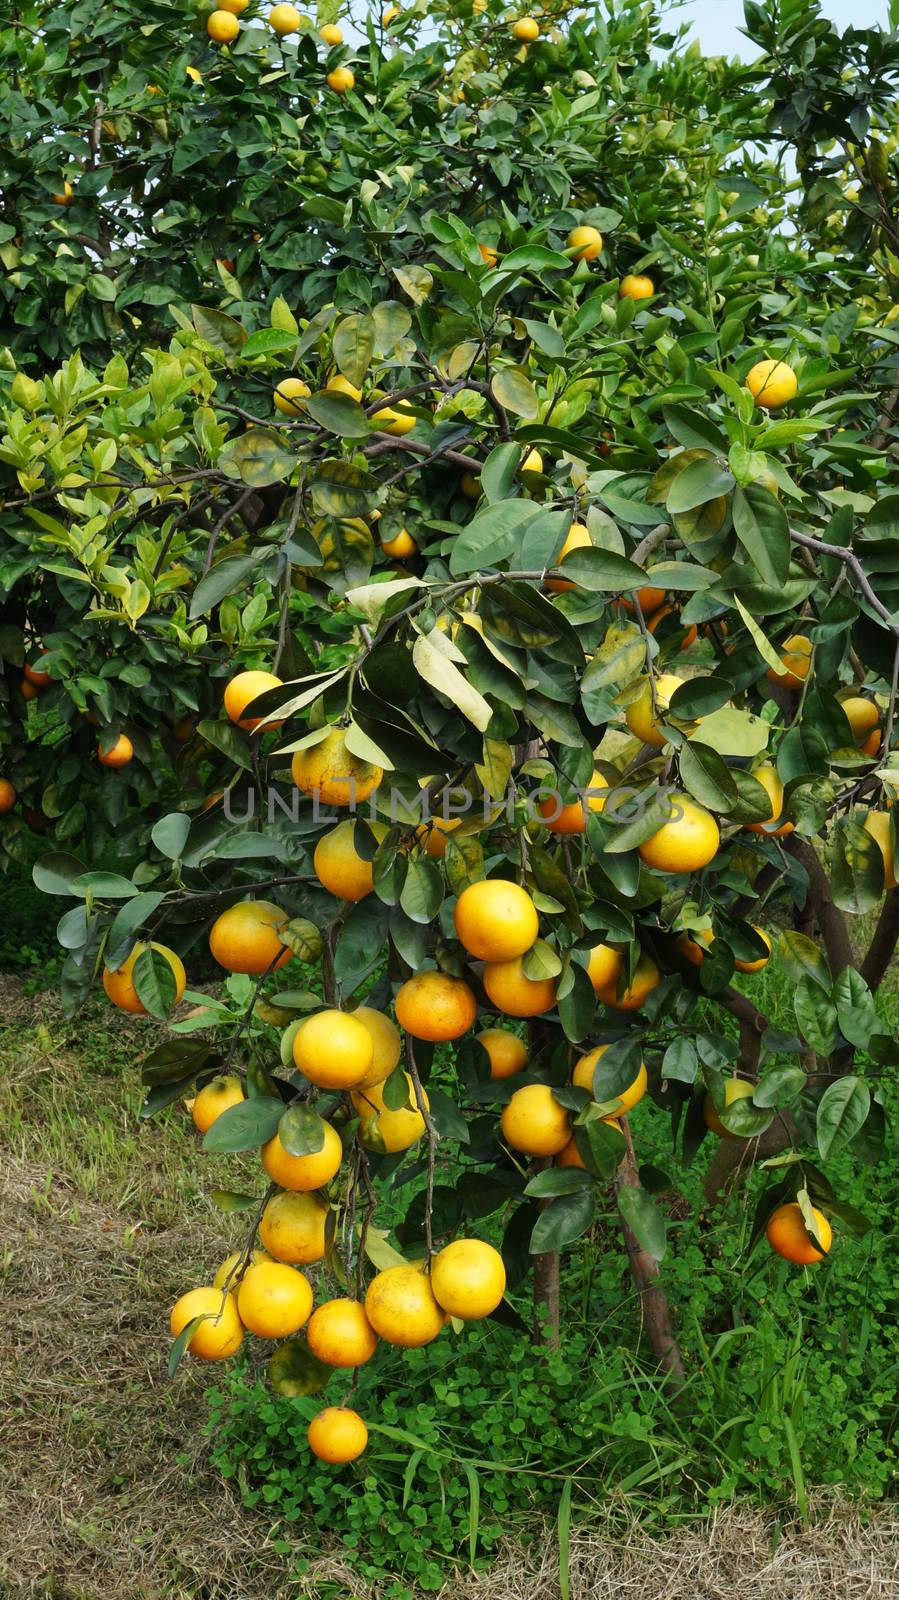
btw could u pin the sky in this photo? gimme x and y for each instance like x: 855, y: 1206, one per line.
x: 716, y: 23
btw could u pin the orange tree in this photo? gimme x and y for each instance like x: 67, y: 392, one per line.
x: 512, y: 517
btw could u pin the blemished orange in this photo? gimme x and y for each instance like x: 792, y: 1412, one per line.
x: 337, y: 1434
x: 245, y: 938
x: 468, y: 1279
x: 242, y: 691
x: 384, y: 1130
x: 214, y: 1098
x: 221, y: 1332
x: 577, y: 538
x: 228, y: 1268
x: 658, y: 617
x: 119, y: 983
x: 788, y: 1235
x: 274, y: 1300
x: 496, y: 920
x: 642, y: 719
x: 534, y: 1122
x: 583, y: 1078
x: 572, y: 818
x: 329, y: 772
x: 795, y: 661
x: 770, y: 780
x: 293, y: 1227
x: 341, y: 80
x: 508, y: 1053
x: 7, y: 795
x: 586, y: 241
x: 646, y: 978
x: 512, y: 992
x: 401, y: 1308
x: 734, y: 1089
x: 288, y: 393
x: 604, y: 966
x: 303, y: 1172
x: 339, y: 867
x: 432, y: 1005
x: 118, y: 756
x: 387, y: 1046
x: 340, y: 1334
x: 772, y: 384
x: 636, y: 286
x: 333, y: 1049
x: 862, y: 715
x: 878, y: 824
x: 760, y: 961
x: 688, y: 842
x: 222, y: 27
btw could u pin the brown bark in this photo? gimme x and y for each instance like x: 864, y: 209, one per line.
x: 734, y: 1159
x: 883, y: 942
x: 645, y: 1273
x: 828, y: 916
x: 546, y: 1299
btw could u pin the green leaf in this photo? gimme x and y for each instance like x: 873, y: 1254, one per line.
x: 246, y: 1126
x: 339, y: 413
x: 269, y: 342
x: 761, y: 526
x: 489, y: 538
x: 842, y: 1110
x: 699, y: 697
x: 699, y: 482
x: 515, y: 391
x: 353, y: 346
x: 416, y: 282
x: 856, y: 865
x: 224, y: 579
x: 179, y: 1348
x: 434, y: 665
x: 56, y: 872
x: 563, y: 1220
x: 779, y: 1087
x: 644, y: 1220
x: 558, y: 1180
x: 170, y: 833
x: 422, y: 893
x: 602, y: 570
x: 815, y: 1016
x: 154, y: 982
x: 260, y: 458
x: 228, y: 1200
x: 301, y: 1131
x: 224, y: 333
x: 177, y: 1061
x: 800, y: 955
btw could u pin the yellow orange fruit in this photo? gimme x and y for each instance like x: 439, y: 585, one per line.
x: 526, y: 30
x: 583, y: 1077
x: 330, y: 773
x: 604, y: 966
x: 118, y: 756
x: 646, y: 978
x: 333, y: 1049
x: 794, y: 662
x: 511, y: 991
x: 338, y: 384
x: 36, y: 676
x: 687, y: 842
x: 401, y: 1308
x: 508, y: 1053
x: 384, y: 1130
x: 734, y: 1089
x: 222, y: 27
x: 230, y: 1264
x: 533, y: 462
x: 770, y: 780
x: 340, y: 1334
x: 119, y: 983
x: 220, y: 1334
x: 772, y: 384
x: 642, y: 719
x: 341, y: 80
x: 862, y: 715
x: 433, y: 834
x: 303, y: 1172
x: 288, y: 392
x: 432, y: 1005
x: 293, y: 1227
x: 571, y: 1155
x: 67, y: 195
x: 635, y: 286
x: 572, y: 818
x: 284, y: 19
x: 245, y: 938
x: 7, y: 795
x: 331, y: 34
x: 655, y: 621
x: 577, y: 538
x: 468, y: 1279
x: 586, y: 241
x: 387, y: 1046
x: 394, y: 419
x: 761, y: 961
x: 650, y: 599
x: 337, y: 1434
x: 274, y: 1300
x: 788, y: 1235
x: 496, y: 920
x: 338, y: 866
x: 878, y: 824
x: 242, y: 690
x: 491, y: 257
x: 215, y: 1097
x: 400, y: 546
x: 534, y: 1123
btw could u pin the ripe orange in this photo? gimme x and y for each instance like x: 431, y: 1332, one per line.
x: 395, y: 420
x: 583, y: 1078
x: 693, y: 945
x: 214, y: 1098
x: 384, y: 1130
x: 534, y: 1122
x: 526, y: 30
x: 340, y: 1334
x: 338, y: 866
x: 288, y: 393
x: 333, y: 1049
x: 229, y: 1264
x: 329, y: 772
x: 303, y: 1172
x: 685, y: 844
x: 387, y: 1046
x: 586, y: 241
x: 220, y: 1334
x: 400, y: 546
x: 604, y: 966
x: 35, y: 675
x: 572, y: 818
x: 29, y: 691
x: 274, y: 1300
x: 284, y: 19
x: 734, y: 1089
x: 878, y: 824
x: 634, y: 286
x: 119, y: 756
x: 222, y: 27
x: 577, y: 538
x: 468, y: 1279
x: 119, y: 984
x: 432, y: 1005
x: 510, y: 991
x: 646, y: 978
x: 789, y: 1236
x: 571, y: 1155
x: 245, y: 937
x: 491, y: 257
x: 401, y: 1308
x: 771, y: 384
x: 341, y: 80
x: 862, y: 715
x: 770, y: 780
x: 762, y: 961
x: 67, y: 196
x: 7, y: 796
x: 794, y: 662
x: 650, y: 599
x: 691, y: 634
x: 242, y: 691
x: 433, y: 834
x: 508, y: 1054
x: 642, y: 720
x: 293, y: 1227
x: 337, y: 1434
x: 496, y: 920
x: 331, y: 34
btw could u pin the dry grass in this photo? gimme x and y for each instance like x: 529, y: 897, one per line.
x: 105, y: 1492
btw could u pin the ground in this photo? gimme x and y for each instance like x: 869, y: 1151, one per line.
x: 105, y: 1488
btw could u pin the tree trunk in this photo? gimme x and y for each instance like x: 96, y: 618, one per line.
x: 546, y: 1299
x: 645, y: 1272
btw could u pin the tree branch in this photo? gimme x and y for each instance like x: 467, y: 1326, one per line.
x: 883, y: 942
x: 828, y: 916
x: 645, y: 1272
